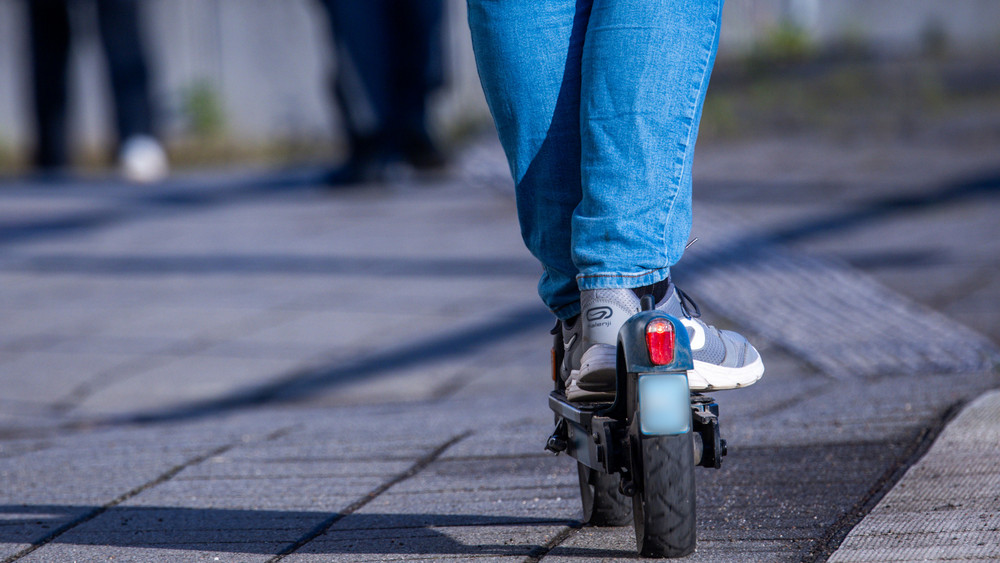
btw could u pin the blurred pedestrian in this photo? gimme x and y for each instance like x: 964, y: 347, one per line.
x: 389, y: 60
x: 141, y: 158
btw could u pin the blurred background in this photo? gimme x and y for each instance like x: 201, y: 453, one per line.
x: 236, y: 81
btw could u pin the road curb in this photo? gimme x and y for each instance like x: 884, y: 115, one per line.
x: 945, y: 506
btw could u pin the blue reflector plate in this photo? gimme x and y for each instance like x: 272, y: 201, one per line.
x: 664, y: 404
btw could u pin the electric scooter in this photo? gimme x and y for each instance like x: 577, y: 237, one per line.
x: 636, y: 456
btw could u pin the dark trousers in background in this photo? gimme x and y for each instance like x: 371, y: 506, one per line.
x: 49, y: 30
x: 389, y: 60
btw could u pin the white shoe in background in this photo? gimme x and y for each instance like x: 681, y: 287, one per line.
x: 143, y: 160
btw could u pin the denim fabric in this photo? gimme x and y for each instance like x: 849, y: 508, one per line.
x: 597, y: 104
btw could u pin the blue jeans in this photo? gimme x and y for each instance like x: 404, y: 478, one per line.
x: 597, y: 104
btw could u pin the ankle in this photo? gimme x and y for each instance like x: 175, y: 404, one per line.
x: 658, y: 290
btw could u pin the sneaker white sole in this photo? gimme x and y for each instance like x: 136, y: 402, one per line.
x: 597, y: 368
x: 704, y: 377
x: 710, y: 377
x: 577, y: 395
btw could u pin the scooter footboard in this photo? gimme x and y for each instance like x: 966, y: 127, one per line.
x: 591, y: 439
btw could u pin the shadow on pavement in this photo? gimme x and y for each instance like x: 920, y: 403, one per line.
x: 326, y: 264
x: 746, y: 251
x: 129, y: 203
x: 271, y: 531
x: 985, y: 185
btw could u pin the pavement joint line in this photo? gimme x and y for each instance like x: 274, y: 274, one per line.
x: 162, y: 478
x: 120, y: 499
x: 325, y: 525
x: 450, y: 387
x: 112, y: 375
x: 539, y: 522
x: 538, y: 553
x: 486, y: 489
x: 919, y: 446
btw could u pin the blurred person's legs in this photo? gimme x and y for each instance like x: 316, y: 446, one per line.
x: 597, y: 105
x: 418, y: 70
x: 140, y: 156
x: 48, y: 29
x: 389, y: 60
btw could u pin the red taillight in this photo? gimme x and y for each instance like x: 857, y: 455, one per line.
x: 660, y: 341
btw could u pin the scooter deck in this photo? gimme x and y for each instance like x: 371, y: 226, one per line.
x: 585, y: 434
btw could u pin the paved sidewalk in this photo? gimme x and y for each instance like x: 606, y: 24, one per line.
x: 947, y: 506
x: 245, y: 366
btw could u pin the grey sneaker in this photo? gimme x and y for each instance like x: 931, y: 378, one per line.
x: 722, y: 359
x: 597, y: 386
x: 603, y: 312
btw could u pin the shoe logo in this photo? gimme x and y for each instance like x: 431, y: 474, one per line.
x: 569, y: 343
x: 696, y: 332
x: 599, y: 313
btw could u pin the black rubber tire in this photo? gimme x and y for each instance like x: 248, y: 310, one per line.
x: 603, y: 505
x: 664, y: 506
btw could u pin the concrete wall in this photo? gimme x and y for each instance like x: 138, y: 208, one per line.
x: 267, y: 61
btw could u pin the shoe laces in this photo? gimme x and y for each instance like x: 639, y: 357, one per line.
x: 688, y: 306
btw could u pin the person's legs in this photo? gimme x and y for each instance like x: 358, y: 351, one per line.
x: 528, y: 54
x: 48, y: 25
x: 600, y: 144
x: 363, y: 82
x: 140, y: 156
x: 645, y: 72
x: 627, y: 147
x: 416, y: 62
x: 646, y: 66
x: 125, y: 53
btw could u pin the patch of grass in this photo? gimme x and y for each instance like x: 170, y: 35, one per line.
x: 785, y: 44
x: 203, y: 111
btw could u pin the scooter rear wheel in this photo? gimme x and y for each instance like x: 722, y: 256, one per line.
x: 664, y: 504
x: 603, y: 505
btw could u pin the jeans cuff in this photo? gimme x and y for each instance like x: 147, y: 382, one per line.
x: 621, y: 281
x: 567, y: 312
